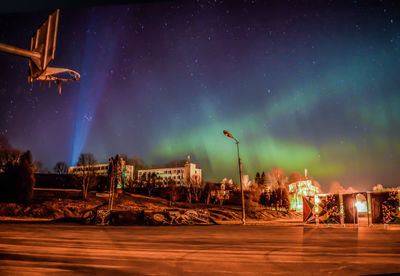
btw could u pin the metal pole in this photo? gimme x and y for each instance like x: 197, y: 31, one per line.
x: 369, y: 208
x: 354, y: 212
x: 18, y: 51
x: 241, y: 184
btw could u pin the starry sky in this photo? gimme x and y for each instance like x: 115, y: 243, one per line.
x: 300, y: 84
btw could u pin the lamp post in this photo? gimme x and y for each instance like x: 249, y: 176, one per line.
x: 227, y: 134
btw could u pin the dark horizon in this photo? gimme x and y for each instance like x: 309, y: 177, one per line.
x: 300, y: 85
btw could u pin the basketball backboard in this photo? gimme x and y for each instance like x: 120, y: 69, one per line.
x: 43, y: 46
x: 44, y: 43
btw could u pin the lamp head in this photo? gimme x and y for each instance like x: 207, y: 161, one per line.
x: 227, y: 134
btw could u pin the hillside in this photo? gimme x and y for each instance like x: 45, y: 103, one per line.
x: 133, y: 209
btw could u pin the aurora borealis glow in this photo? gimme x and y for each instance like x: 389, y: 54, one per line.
x: 299, y: 85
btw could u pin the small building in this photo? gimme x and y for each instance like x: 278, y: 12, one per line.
x: 179, y: 174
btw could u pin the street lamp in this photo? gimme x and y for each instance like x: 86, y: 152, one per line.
x: 227, y: 134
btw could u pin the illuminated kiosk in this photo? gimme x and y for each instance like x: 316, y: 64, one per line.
x: 352, y: 208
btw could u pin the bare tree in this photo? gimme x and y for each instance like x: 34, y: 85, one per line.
x: 37, y: 166
x: 220, y: 195
x: 138, y: 164
x: 61, y: 168
x: 295, y: 177
x: 188, y: 190
x: 86, y: 160
x: 196, y: 187
x: 276, y: 178
x: 115, y: 165
x: 336, y: 188
x: 209, y: 190
x: 172, y: 191
x: 151, y: 182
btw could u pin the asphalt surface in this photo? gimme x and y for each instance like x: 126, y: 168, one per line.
x: 43, y: 248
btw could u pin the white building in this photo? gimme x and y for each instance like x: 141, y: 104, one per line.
x: 179, y: 174
x: 101, y: 169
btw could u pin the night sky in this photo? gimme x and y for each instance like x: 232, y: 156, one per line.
x: 300, y: 85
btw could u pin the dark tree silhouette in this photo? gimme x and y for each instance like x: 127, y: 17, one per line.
x: 61, y: 168
x: 7, y: 153
x: 257, y: 178
x: 263, y: 181
x: 25, y: 191
x: 19, y: 179
x: 284, y: 198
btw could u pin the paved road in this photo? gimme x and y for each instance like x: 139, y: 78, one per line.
x: 26, y: 249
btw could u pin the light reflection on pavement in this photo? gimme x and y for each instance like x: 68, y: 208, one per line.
x: 28, y: 249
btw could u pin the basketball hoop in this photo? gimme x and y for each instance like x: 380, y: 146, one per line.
x: 41, y: 54
x: 58, y: 75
